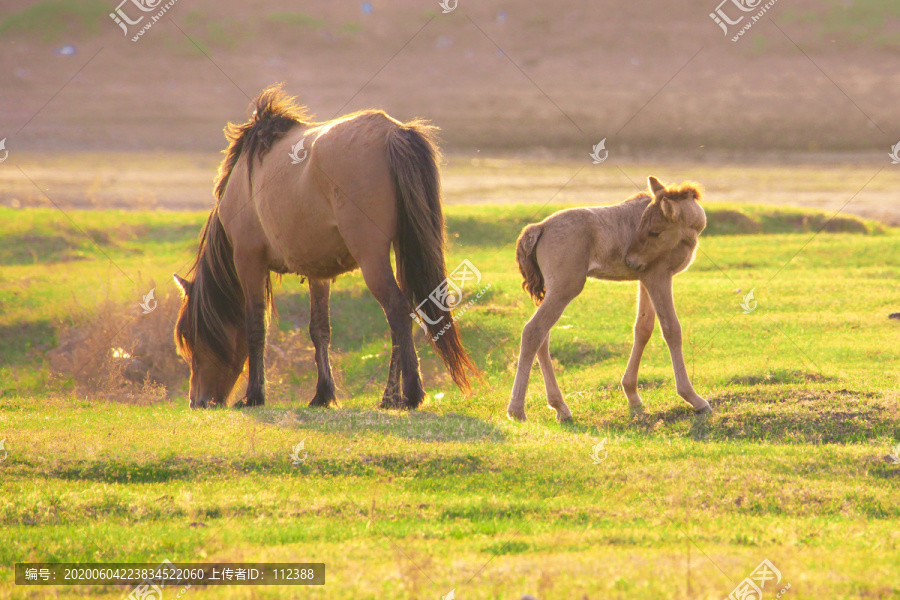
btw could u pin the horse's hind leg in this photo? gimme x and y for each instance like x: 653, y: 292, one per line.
x: 392, y: 397
x: 536, y: 331
x: 643, y: 329
x: 320, y: 334
x: 404, y: 363
x: 554, y: 396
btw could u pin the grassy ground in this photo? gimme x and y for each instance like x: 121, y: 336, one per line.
x: 398, y: 505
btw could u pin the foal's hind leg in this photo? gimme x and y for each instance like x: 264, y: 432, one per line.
x: 535, y: 333
x: 404, y: 363
x: 554, y: 396
x: 320, y: 334
x: 643, y: 329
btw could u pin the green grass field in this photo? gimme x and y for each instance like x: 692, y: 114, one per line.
x: 790, y: 467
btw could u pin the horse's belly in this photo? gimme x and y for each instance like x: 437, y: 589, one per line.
x: 317, y: 253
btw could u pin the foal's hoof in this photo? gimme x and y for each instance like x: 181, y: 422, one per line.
x: 636, y: 411
x: 516, y: 416
x: 565, y: 420
x: 706, y: 410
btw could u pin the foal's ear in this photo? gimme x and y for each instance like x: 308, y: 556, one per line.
x: 670, y: 209
x: 183, y: 283
x: 655, y: 186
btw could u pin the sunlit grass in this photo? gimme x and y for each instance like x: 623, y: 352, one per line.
x: 411, y: 505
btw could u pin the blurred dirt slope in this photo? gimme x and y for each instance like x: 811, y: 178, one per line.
x: 520, y: 76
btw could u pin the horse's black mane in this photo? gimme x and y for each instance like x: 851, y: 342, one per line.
x: 274, y: 114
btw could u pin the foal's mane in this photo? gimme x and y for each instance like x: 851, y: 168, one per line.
x: 215, y: 298
x: 683, y: 191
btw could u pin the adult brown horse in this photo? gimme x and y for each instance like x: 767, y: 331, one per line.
x: 362, y: 184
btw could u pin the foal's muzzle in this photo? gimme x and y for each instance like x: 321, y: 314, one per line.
x: 632, y: 264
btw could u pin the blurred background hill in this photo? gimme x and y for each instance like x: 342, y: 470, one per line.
x: 572, y: 71
x: 96, y: 118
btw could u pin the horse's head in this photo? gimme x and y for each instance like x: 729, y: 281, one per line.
x: 670, y: 226
x: 214, y: 348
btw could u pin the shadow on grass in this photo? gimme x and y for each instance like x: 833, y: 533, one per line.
x: 17, y: 341
x: 803, y: 416
x: 764, y: 413
x: 419, y: 426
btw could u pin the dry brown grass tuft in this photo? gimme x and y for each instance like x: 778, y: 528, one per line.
x: 116, y: 352
x: 291, y: 365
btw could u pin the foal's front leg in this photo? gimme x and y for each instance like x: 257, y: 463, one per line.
x: 660, y: 290
x: 643, y: 329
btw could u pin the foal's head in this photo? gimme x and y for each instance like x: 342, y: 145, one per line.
x: 669, y: 229
x: 214, y: 348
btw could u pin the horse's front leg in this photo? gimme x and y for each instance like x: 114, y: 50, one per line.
x: 254, y: 277
x: 320, y: 334
x: 643, y: 329
x: 660, y: 290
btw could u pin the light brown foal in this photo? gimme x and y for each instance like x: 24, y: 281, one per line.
x: 649, y: 238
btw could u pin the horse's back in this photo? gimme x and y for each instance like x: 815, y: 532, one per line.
x: 303, y: 202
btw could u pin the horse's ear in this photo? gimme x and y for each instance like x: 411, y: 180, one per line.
x: 670, y: 209
x: 183, y: 283
x: 655, y: 186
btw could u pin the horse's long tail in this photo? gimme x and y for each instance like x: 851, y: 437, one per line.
x: 413, y: 156
x: 528, y: 266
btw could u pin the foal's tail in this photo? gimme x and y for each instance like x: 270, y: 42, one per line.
x: 527, y: 258
x: 413, y: 157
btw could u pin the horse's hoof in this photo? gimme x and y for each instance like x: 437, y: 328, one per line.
x: 516, y: 416
x: 636, y: 411
x: 321, y: 401
x: 567, y: 420
x: 706, y: 410
x: 390, y: 403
